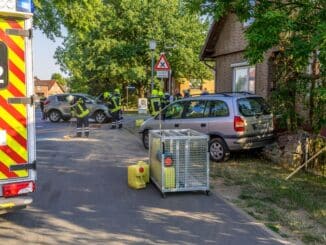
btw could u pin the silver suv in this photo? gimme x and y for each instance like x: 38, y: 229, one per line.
x: 57, y: 107
x: 234, y: 121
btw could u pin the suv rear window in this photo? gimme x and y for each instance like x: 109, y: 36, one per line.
x: 253, y: 106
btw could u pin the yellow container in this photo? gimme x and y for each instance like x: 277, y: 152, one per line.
x: 139, y: 122
x: 169, y: 173
x: 146, y: 170
x: 136, y: 177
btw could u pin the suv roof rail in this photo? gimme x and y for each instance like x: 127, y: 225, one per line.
x: 238, y: 92
x: 226, y: 94
x: 211, y: 94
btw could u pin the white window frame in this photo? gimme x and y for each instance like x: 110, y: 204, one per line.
x: 243, y: 65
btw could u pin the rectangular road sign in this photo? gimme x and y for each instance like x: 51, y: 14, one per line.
x: 162, y: 74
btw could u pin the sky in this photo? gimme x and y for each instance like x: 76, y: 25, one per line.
x: 43, y: 52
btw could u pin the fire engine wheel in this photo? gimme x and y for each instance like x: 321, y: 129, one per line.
x: 218, y: 150
x: 54, y: 116
x: 100, y: 117
x: 146, y: 139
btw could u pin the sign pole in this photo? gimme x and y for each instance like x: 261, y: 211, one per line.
x: 152, y: 78
x: 152, y: 46
x: 127, y: 97
x: 170, y: 80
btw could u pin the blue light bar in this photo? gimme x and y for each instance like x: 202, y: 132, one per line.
x: 26, y: 6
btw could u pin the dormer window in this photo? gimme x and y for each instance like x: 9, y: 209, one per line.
x: 244, y: 77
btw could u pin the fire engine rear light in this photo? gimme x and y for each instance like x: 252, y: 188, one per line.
x: 141, y: 170
x: 168, y: 162
x: 19, y: 188
x: 239, y: 124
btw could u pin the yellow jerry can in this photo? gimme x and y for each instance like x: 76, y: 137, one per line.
x: 136, y: 176
x: 169, y: 181
x: 146, y: 170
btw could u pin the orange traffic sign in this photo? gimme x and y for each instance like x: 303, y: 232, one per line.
x: 162, y: 64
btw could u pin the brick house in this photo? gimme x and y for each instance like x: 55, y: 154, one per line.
x: 47, y: 87
x: 225, y: 44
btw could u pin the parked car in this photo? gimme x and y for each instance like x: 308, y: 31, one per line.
x: 57, y: 107
x: 234, y: 121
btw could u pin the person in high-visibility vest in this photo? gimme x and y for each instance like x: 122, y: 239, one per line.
x: 107, y: 99
x: 115, y: 106
x: 165, y: 100
x: 81, y: 112
x: 42, y: 101
x: 162, y: 101
x: 155, y: 103
x: 177, y: 95
x: 160, y: 94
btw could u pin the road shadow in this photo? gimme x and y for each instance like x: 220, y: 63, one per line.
x: 82, y: 197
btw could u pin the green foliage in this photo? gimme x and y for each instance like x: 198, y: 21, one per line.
x: 268, y: 197
x: 263, y: 34
x: 297, y: 29
x: 45, y: 19
x: 319, y: 110
x: 108, y: 41
x: 59, y: 78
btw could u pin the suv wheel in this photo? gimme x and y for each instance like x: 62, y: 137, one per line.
x: 218, y: 150
x: 100, y: 117
x: 146, y: 139
x: 54, y: 116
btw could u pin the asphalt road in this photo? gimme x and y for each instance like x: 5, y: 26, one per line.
x: 82, y: 197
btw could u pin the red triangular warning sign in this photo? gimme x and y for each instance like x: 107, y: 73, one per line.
x: 162, y: 64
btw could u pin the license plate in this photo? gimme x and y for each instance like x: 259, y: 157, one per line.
x: 260, y: 126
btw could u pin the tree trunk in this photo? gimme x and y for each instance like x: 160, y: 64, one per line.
x: 141, y: 91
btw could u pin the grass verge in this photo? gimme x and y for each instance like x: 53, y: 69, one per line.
x: 295, y: 208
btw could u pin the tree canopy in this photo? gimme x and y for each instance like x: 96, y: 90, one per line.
x: 59, y: 78
x: 297, y: 30
x: 297, y: 26
x: 107, y: 42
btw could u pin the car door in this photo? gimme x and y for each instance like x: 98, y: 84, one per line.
x: 63, y: 104
x: 195, y: 116
x: 219, y: 119
x: 91, y: 105
x: 172, y: 115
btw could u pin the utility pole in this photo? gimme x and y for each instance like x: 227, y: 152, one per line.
x: 152, y: 47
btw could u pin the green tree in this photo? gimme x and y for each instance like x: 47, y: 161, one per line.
x: 107, y: 41
x: 59, y: 78
x: 297, y: 29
